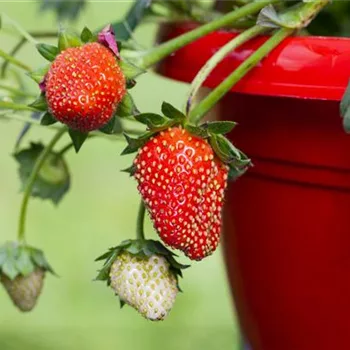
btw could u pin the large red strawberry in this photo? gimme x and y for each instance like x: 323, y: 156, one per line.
x: 182, y: 183
x: 84, y: 86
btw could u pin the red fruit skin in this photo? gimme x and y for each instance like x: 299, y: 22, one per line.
x: 84, y: 87
x: 182, y: 184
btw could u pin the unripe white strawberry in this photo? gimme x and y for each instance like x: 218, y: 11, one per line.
x: 147, y: 284
x: 22, y: 272
x: 24, y: 291
x: 144, y: 274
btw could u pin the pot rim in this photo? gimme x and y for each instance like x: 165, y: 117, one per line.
x: 312, y: 67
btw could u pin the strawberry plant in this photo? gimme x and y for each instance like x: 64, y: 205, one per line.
x: 182, y: 164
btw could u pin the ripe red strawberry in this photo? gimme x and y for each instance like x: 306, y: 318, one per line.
x: 182, y: 183
x: 84, y: 86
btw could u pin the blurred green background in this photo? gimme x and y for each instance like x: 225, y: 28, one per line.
x: 100, y: 210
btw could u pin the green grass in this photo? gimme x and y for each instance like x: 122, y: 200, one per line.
x: 74, y: 312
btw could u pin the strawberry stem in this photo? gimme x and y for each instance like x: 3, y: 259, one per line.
x: 299, y: 16
x: 210, y: 65
x: 31, y: 181
x: 68, y: 147
x: 35, y: 122
x: 13, y: 52
x: 210, y: 101
x: 140, y: 233
x: 151, y: 57
x: 7, y: 20
x: 16, y: 91
x: 14, y: 61
x: 16, y: 106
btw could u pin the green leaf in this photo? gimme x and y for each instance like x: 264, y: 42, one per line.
x: 238, y: 162
x: 221, y: 148
x: 171, y: 112
x: 64, y: 9
x: 27, y: 126
x: 68, y: 38
x: 224, y: 149
x: 122, y: 303
x: 103, y: 274
x: 175, y: 264
x: 136, y: 247
x: 39, y: 259
x: 78, y: 138
x: 130, y: 83
x: 39, y: 74
x: 114, y: 126
x: 223, y: 127
x: 345, y: 109
x: 3, y: 257
x: 123, y: 29
x: 346, y: 121
x: 130, y: 70
x: 159, y: 248
x: 268, y: 17
x: 40, y: 103
x: 236, y: 171
x: 197, y: 131
x: 24, y: 263
x: 53, y: 180
x: 152, y: 120
x: 48, y: 119
x: 127, y: 107
x: 130, y: 170
x: 104, y: 256
x: 345, y: 102
x: 135, y: 144
x: 125, y: 243
x: 9, y: 269
x: 49, y: 52
x: 86, y: 35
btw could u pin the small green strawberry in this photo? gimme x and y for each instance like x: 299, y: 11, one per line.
x: 144, y: 274
x: 22, y: 273
x: 24, y: 291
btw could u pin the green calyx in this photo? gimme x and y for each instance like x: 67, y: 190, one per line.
x: 21, y: 260
x: 155, y: 123
x: 142, y: 249
x: 40, y: 103
x: 86, y: 36
x: 38, y: 75
x: 66, y: 38
x: 214, y: 132
x: 53, y: 180
x: 127, y: 107
x: 237, y: 161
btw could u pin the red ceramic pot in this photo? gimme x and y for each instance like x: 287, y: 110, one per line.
x: 287, y: 228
